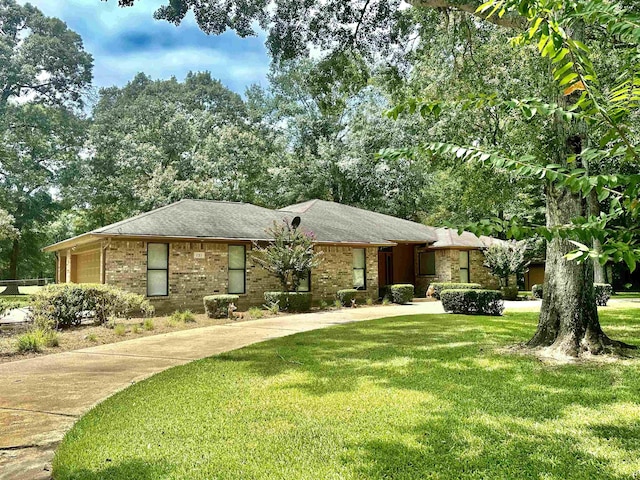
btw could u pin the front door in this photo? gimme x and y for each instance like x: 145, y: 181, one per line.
x: 385, y: 267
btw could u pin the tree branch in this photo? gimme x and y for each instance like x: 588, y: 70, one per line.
x: 508, y: 21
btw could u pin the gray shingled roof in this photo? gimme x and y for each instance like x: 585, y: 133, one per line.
x: 198, y: 219
x: 321, y: 216
x: 330, y: 222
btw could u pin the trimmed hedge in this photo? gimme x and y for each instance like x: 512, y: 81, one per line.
x: 290, y: 301
x: 217, y: 306
x: 346, y: 296
x: 537, y: 291
x: 603, y: 293
x: 473, y: 302
x: 509, y: 293
x: 401, y: 293
x: 439, y: 287
x: 64, y: 305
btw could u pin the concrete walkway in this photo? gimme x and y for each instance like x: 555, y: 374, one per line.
x: 42, y: 397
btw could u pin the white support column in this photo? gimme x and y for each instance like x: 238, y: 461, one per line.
x: 68, y: 266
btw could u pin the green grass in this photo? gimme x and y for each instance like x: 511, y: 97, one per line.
x: 17, y: 301
x: 626, y: 295
x: 404, y: 398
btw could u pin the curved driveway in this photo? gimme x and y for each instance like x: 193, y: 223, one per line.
x: 42, y: 397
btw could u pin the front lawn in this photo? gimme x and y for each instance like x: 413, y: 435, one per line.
x: 405, y: 398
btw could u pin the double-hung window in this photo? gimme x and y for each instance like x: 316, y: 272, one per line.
x: 157, y: 269
x: 305, y: 283
x: 237, y: 269
x: 359, y: 269
x: 464, y: 266
x: 427, y: 263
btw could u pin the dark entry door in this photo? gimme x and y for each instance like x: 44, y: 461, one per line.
x: 385, y: 267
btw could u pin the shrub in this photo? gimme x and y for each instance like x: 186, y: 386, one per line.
x: 439, y: 287
x: 5, y: 306
x: 386, y: 301
x: 255, y: 312
x: 135, y: 329
x: 289, y: 301
x: 148, y: 324
x: 63, y: 305
x: 345, y: 297
x: 51, y: 338
x: 217, y: 306
x: 119, y: 330
x: 92, y: 337
x: 401, y: 293
x: 603, y: 293
x: 370, y: 301
x: 31, y: 341
x: 471, y: 301
x: 184, y: 316
x: 537, y: 291
x: 509, y: 293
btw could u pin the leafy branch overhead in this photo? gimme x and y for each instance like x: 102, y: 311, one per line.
x: 608, y: 110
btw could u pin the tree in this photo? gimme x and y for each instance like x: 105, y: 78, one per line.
x: 40, y: 58
x: 7, y: 230
x: 505, y: 259
x: 290, y: 257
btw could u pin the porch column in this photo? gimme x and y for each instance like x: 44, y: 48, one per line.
x: 102, y: 247
x: 68, y: 267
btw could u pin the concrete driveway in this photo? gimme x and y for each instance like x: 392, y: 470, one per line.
x: 42, y: 397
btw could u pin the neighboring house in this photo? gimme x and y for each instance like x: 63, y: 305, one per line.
x: 177, y: 254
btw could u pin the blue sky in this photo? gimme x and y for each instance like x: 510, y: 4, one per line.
x: 124, y: 41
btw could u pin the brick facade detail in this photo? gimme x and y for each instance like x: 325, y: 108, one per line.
x: 197, y: 269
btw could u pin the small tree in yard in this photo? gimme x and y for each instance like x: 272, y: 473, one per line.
x: 506, y: 259
x: 290, y: 256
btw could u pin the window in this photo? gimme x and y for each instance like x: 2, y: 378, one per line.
x: 305, y: 283
x: 157, y: 269
x: 427, y: 261
x: 464, y: 266
x: 359, y: 269
x: 237, y: 269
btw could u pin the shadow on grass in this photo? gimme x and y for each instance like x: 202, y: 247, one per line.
x: 426, y: 396
x: 130, y: 470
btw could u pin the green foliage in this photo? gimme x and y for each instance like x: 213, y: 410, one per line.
x: 255, y: 313
x: 603, y: 292
x: 7, y: 230
x: 289, y: 301
x: 120, y: 330
x: 290, y: 256
x: 217, y: 306
x: 472, y: 302
x: 505, y: 259
x: 31, y: 341
x: 63, y: 305
x: 401, y: 293
x: 537, y: 291
x: 183, y: 316
x: 148, y: 324
x: 510, y: 293
x: 346, y: 297
x: 438, y: 287
x: 6, y: 305
x: 92, y: 337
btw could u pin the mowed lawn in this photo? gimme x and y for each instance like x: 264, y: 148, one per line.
x: 415, y: 397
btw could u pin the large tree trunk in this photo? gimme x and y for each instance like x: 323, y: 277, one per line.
x: 13, y: 269
x: 569, y: 317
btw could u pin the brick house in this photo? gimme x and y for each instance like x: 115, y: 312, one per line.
x: 177, y: 254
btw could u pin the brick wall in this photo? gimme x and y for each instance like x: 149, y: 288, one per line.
x: 191, y: 278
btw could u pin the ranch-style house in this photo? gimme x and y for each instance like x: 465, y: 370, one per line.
x: 177, y: 254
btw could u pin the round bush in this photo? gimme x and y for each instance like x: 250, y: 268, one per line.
x: 509, y: 293
x: 603, y: 293
x: 537, y: 291
x: 401, y: 293
x: 217, y: 306
x: 346, y: 296
x: 438, y: 287
x: 63, y: 305
x: 473, y: 302
x: 289, y: 301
